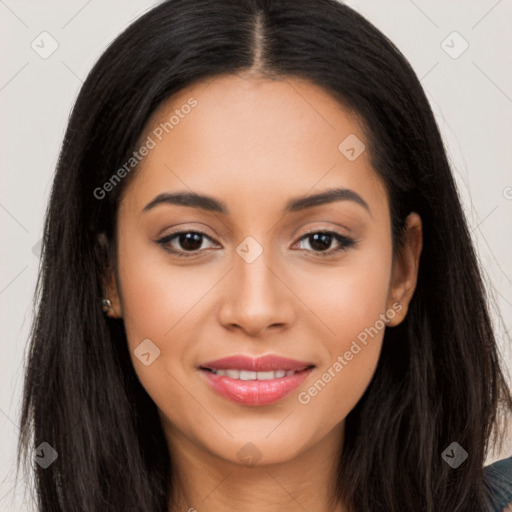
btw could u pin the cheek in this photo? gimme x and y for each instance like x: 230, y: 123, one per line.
x: 351, y: 297
x: 158, y: 302
x: 354, y: 309
x: 156, y: 296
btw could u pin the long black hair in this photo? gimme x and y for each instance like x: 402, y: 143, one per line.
x: 438, y: 379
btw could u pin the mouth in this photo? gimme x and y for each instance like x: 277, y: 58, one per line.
x: 250, y: 375
x: 255, y: 382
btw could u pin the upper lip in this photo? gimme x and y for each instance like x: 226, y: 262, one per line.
x: 258, y: 364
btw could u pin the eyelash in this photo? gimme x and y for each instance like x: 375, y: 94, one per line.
x: 345, y: 241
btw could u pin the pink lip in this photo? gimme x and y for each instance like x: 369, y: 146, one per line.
x: 255, y: 392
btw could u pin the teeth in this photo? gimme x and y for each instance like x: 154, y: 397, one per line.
x: 248, y: 375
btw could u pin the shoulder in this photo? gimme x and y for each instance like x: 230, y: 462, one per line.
x: 498, y: 481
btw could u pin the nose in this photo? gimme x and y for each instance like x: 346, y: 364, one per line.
x: 257, y: 298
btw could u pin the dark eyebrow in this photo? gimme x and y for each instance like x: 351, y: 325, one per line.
x: 328, y: 196
x: 188, y: 199
x: 211, y: 204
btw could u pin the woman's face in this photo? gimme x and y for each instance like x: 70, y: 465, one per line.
x: 267, y: 272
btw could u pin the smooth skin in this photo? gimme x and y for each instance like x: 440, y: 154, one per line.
x: 254, y: 144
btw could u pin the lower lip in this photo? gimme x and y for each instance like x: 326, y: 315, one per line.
x: 255, y: 392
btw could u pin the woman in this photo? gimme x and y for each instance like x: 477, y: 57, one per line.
x: 258, y: 284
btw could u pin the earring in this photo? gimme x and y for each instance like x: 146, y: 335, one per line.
x: 107, y: 306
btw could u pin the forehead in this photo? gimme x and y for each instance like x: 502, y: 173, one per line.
x: 260, y: 138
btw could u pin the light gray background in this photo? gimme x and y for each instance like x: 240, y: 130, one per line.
x: 471, y: 96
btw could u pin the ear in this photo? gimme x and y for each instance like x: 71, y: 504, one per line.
x: 108, y: 280
x: 405, y: 269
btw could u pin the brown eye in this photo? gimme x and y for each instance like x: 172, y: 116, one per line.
x: 321, y: 241
x: 184, y: 241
